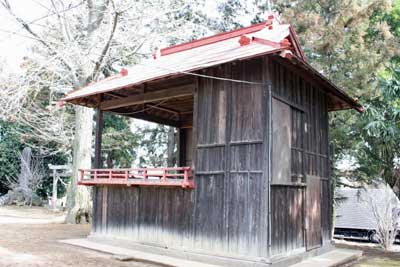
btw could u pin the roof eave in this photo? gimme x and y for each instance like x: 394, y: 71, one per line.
x: 351, y: 103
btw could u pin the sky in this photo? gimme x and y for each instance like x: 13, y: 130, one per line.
x: 14, y: 43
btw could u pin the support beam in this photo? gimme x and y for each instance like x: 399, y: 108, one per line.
x: 169, y: 110
x: 152, y: 118
x: 98, y: 138
x: 160, y: 95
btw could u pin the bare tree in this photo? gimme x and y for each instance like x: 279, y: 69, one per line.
x: 385, y: 207
x: 24, y: 187
x: 77, y: 42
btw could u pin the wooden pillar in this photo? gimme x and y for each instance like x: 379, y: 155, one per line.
x: 54, y: 196
x: 98, y: 139
x: 181, y: 147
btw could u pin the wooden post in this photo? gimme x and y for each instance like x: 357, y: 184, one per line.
x: 181, y: 147
x: 56, y: 178
x: 98, y: 138
x: 54, y: 196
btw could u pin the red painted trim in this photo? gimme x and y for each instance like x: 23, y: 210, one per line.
x: 60, y: 103
x: 138, y: 177
x: 267, y: 42
x: 189, y: 185
x: 212, y: 39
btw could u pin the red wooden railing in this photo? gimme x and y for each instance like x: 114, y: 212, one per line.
x: 180, y: 177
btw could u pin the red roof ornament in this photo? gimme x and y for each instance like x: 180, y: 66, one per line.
x: 286, y: 54
x: 286, y: 43
x: 244, y: 40
x: 60, y: 103
x: 124, y: 72
x: 156, y: 53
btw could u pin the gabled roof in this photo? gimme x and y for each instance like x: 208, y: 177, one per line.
x: 264, y: 38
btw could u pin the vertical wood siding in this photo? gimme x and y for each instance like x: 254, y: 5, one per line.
x: 287, y: 205
x: 309, y: 156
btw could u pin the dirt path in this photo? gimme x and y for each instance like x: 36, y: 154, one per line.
x: 23, y: 243
x: 373, y: 256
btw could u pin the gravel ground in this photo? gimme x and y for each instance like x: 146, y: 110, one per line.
x: 29, y: 238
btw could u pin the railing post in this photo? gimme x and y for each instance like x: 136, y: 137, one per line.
x: 164, y: 176
x: 110, y: 175
x: 95, y: 175
x: 126, y: 175
x: 145, y: 173
x: 81, y: 174
x: 185, y: 177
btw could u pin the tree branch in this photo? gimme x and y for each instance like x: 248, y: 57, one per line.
x: 99, y: 62
x: 27, y: 27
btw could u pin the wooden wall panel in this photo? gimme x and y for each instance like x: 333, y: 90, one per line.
x: 306, y: 99
x: 211, y: 116
x: 287, y: 218
x: 208, y: 214
x: 97, y: 209
x: 229, y: 169
x: 281, y: 146
x: 326, y: 212
x: 244, y: 214
x: 247, y: 102
x: 161, y: 216
x: 309, y: 143
x: 210, y: 159
x: 313, y: 213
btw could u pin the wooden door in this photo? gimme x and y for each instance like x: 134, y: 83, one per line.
x: 313, y: 213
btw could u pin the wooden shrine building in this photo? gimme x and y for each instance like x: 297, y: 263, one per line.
x: 252, y: 185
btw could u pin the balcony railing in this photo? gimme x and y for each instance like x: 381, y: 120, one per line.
x: 172, y: 177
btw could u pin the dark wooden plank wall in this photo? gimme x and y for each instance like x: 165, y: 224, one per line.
x: 313, y: 212
x: 244, y: 184
x: 287, y: 203
x: 224, y: 214
x: 229, y: 176
x: 309, y: 156
x: 159, y: 216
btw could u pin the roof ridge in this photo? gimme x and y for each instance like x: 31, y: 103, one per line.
x: 213, y: 38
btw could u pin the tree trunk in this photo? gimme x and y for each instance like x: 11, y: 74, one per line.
x: 25, y: 174
x: 109, y: 160
x: 79, y: 198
